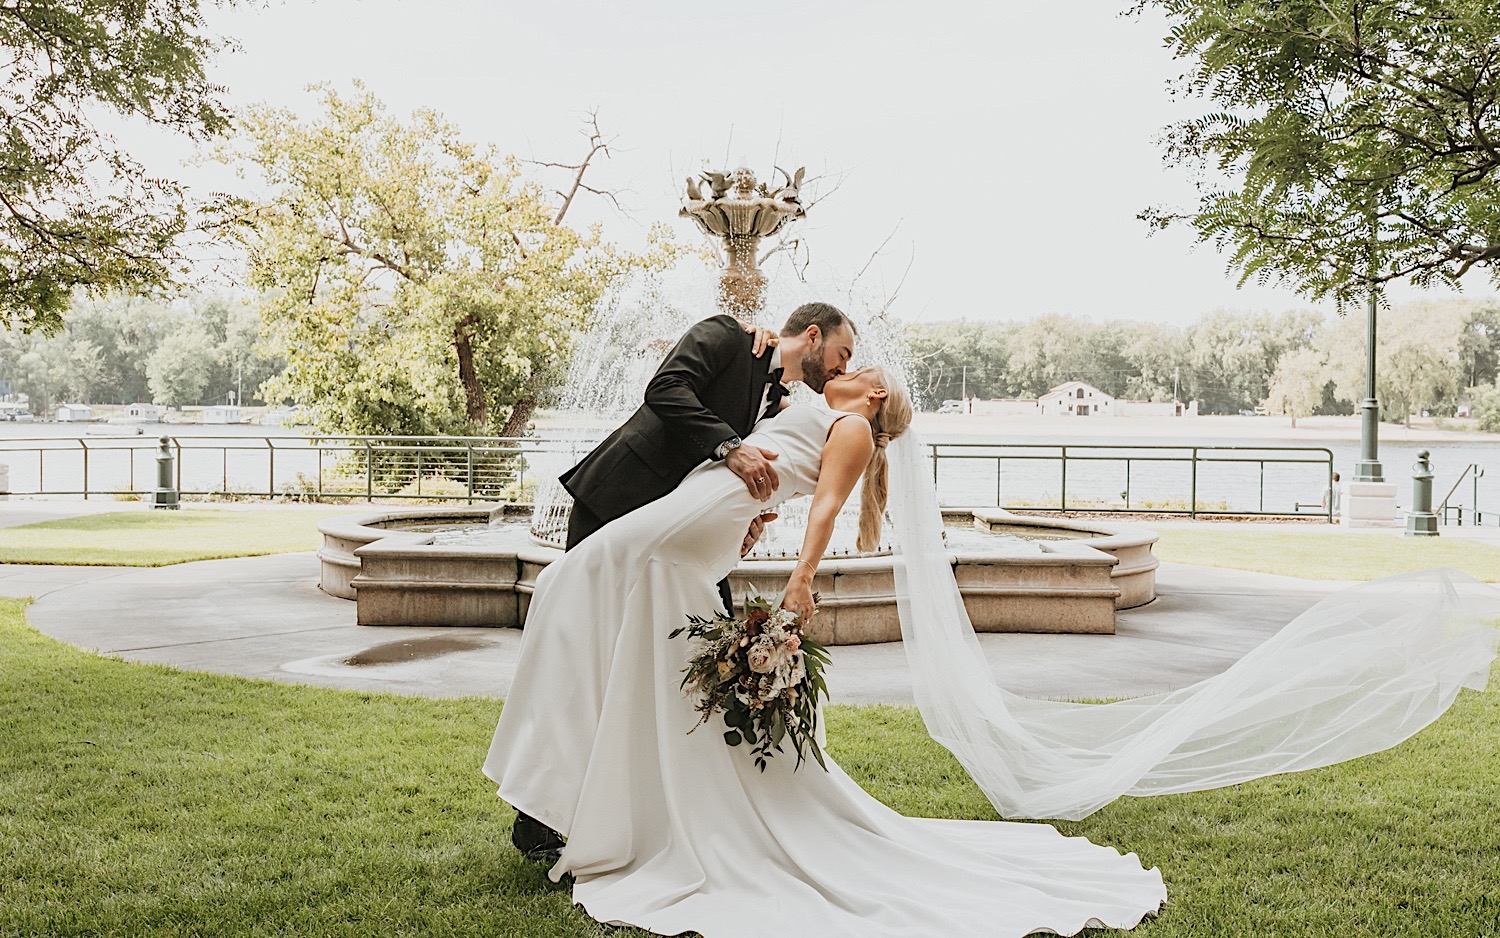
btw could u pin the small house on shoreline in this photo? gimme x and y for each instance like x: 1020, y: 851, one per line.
x: 1072, y: 399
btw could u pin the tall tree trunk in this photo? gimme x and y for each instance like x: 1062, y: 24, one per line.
x: 475, y: 407
x: 522, y: 409
x: 520, y: 416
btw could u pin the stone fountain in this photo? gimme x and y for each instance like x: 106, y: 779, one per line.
x: 737, y: 212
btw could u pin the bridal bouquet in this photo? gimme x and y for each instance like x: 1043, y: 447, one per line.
x: 763, y: 674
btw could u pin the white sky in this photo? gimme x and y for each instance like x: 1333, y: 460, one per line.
x: 1011, y: 141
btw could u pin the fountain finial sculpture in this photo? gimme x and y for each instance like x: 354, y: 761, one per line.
x: 740, y: 211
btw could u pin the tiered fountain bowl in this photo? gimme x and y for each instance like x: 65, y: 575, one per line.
x: 477, y: 566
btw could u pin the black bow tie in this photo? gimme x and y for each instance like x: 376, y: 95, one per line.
x: 775, y: 375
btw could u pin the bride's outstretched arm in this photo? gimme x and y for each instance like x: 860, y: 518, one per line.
x: 845, y: 456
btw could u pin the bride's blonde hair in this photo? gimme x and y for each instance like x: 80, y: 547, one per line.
x: 889, y: 422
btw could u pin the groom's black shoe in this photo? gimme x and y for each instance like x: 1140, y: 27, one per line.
x: 535, y: 840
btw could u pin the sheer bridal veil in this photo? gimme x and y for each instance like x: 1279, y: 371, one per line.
x: 1357, y: 673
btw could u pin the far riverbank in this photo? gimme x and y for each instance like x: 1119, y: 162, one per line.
x: 1309, y: 431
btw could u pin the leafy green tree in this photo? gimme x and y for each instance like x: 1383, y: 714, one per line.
x: 1361, y: 138
x: 415, y: 282
x: 1479, y: 345
x: 1232, y: 356
x: 45, y: 374
x: 951, y: 359
x: 1048, y: 351
x: 126, y: 330
x: 1298, y: 385
x: 107, y: 349
x: 1486, y: 410
x: 75, y: 210
x: 180, y: 368
x: 1417, y: 364
x: 1155, y: 355
x: 1226, y: 359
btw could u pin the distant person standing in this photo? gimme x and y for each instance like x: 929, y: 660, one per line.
x: 1331, y: 496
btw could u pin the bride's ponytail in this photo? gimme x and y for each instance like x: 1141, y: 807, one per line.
x: 891, y: 420
x: 873, y: 495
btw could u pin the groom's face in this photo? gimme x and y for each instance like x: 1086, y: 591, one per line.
x: 826, y: 357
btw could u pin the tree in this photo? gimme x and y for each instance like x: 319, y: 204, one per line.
x: 75, y: 210
x: 1363, y: 135
x: 1155, y: 355
x: 179, y: 370
x: 1048, y: 351
x: 111, y: 347
x: 1479, y: 346
x: 1417, y: 363
x: 1298, y: 384
x: 415, y: 282
x: 1486, y: 410
x: 1226, y: 363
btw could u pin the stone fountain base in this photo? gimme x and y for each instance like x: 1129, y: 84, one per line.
x: 388, y: 563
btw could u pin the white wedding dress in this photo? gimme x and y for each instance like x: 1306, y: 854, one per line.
x: 675, y: 832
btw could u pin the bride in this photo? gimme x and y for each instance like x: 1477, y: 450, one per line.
x: 676, y: 832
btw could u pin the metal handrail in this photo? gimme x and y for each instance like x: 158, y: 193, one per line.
x: 388, y: 466
x: 1197, y: 455
x: 387, y: 463
x: 1474, y: 472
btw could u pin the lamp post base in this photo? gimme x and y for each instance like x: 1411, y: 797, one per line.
x: 1421, y: 524
x: 1369, y: 470
x: 1369, y: 505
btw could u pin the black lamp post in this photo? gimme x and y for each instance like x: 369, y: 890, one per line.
x: 1368, y: 468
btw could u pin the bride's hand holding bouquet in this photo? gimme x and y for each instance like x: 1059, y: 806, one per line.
x: 799, y: 598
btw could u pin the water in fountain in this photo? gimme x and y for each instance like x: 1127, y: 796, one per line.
x: 635, y: 327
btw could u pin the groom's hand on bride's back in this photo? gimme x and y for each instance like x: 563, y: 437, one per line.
x: 753, y: 465
x: 757, y: 528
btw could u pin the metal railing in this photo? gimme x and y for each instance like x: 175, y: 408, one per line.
x: 1297, y: 471
x: 491, y: 468
x: 363, y: 467
x: 1451, y: 513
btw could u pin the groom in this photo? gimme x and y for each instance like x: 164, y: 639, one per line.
x: 703, y: 400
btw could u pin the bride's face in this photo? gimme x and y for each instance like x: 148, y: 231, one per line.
x: 859, y: 391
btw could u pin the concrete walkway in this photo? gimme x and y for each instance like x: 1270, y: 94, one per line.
x: 265, y: 617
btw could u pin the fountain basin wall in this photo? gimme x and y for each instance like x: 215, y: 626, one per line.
x: 388, y: 563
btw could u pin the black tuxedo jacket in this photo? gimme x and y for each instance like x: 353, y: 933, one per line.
x: 707, y: 390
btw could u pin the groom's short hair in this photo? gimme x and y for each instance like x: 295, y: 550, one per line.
x: 825, y: 316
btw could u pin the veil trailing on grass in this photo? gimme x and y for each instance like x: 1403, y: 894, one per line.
x: 1359, y: 672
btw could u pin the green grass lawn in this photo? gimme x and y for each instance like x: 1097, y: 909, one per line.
x: 139, y: 800
x: 157, y: 538
x: 1323, y: 554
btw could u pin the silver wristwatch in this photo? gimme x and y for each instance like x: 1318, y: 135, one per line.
x: 721, y: 451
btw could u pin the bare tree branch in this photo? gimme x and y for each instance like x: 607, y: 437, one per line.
x: 877, y: 252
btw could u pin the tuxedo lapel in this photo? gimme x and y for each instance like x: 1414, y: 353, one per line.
x: 759, y: 369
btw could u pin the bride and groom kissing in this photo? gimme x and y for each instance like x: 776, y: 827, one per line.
x: 678, y: 832
x: 715, y: 384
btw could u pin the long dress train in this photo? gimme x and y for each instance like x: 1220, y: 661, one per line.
x: 674, y: 831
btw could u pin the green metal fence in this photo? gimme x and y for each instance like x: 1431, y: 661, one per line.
x: 491, y: 468
x: 1294, y: 469
x: 317, y: 468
